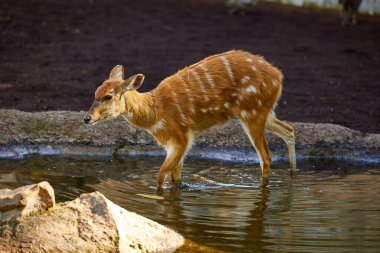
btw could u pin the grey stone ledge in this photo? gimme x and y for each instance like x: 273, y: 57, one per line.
x: 64, y: 133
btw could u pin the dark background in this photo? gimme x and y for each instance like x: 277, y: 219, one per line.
x: 54, y: 53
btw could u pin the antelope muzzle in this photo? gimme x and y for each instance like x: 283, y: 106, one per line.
x: 87, y: 119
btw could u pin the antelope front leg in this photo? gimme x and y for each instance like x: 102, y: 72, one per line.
x: 255, y: 132
x: 173, y: 159
x: 176, y: 174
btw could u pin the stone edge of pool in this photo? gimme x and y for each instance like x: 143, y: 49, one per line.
x: 64, y: 133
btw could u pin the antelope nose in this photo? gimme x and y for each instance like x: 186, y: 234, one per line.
x: 87, y: 119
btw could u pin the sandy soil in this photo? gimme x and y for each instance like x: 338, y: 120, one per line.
x: 53, y: 54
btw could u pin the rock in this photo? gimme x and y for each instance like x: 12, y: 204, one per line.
x: 63, y: 132
x: 90, y: 223
x: 26, y: 200
x: 139, y: 234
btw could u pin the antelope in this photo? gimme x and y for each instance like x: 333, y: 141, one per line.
x: 349, y: 11
x: 234, y: 84
x: 239, y: 6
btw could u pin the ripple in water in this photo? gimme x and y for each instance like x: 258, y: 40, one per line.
x: 329, y: 206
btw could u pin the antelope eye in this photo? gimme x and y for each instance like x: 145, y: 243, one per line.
x: 108, y: 97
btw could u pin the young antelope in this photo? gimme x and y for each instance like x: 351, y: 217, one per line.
x: 234, y: 84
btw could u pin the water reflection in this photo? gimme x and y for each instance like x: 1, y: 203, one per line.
x: 330, y: 206
x: 254, y: 232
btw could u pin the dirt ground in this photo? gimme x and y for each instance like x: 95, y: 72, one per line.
x: 54, y: 53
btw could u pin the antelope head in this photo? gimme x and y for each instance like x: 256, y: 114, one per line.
x: 109, y: 97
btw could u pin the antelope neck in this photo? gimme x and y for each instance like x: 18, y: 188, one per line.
x: 140, y: 108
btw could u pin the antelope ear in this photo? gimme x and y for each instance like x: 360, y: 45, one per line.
x: 133, y: 83
x: 117, y: 73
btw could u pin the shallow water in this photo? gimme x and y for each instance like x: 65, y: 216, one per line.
x: 329, y: 206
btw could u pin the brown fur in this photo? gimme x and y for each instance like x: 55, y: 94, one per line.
x: 106, y: 87
x: 235, y: 84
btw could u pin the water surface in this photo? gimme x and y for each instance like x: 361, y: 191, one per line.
x: 329, y: 206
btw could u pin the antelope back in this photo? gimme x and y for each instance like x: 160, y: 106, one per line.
x: 210, y: 92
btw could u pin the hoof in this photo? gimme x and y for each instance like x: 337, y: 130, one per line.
x: 178, y: 185
x: 265, y: 181
x: 159, y: 191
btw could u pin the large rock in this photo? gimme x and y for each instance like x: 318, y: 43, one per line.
x: 139, y: 234
x: 63, y: 132
x: 25, y: 200
x: 90, y: 223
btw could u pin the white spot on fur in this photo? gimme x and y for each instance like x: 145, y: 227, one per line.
x: 228, y: 67
x: 251, y: 89
x: 234, y: 94
x: 260, y: 103
x: 248, y: 59
x: 254, y: 68
x: 245, y: 79
x: 260, y: 61
x: 265, y: 85
x: 200, y: 83
x: 204, y: 110
x: 188, y: 92
x: 208, y: 77
x: 183, y: 118
x: 253, y: 112
x: 157, y: 126
x: 130, y: 115
x: 244, y: 113
x: 274, y: 82
x: 216, y: 108
x: 227, y: 105
x: 169, y: 150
